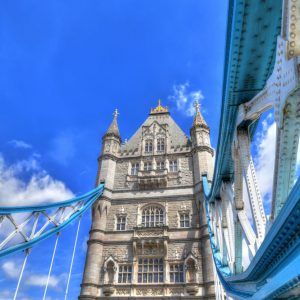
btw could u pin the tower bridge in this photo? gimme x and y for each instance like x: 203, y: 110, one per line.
x: 169, y: 225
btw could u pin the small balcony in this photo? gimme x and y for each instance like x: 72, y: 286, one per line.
x: 152, y: 179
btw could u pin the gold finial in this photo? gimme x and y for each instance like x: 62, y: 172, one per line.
x: 159, y: 109
x: 116, y: 113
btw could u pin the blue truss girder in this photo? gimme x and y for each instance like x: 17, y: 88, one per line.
x: 88, y: 199
x: 276, y: 265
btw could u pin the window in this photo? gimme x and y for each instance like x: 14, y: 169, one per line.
x: 147, y: 166
x: 125, y: 274
x: 176, y: 273
x: 184, y: 220
x: 135, y: 168
x: 152, y: 216
x: 148, y: 146
x: 151, y: 270
x: 160, y: 165
x: 121, y: 222
x: 173, y: 166
x: 160, y: 144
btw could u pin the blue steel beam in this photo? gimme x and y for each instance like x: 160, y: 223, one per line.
x: 88, y: 198
x: 252, y: 30
x: 276, y: 265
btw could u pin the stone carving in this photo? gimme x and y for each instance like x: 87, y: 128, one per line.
x: 175, y: 291
x: 149, y: 233
x: 150, y: 250
x: 122, y: 291
x: 149, y: 291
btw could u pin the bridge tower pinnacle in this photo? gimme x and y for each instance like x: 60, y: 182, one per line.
x: 202, y: 151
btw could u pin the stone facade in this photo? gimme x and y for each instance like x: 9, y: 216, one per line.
x: 149, y: 237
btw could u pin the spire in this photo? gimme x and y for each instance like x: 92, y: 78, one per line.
x: 113, y: 129
x: 198, y: 119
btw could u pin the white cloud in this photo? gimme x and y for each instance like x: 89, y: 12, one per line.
x: 11, y: 269
x: 41, y: 280
x: 39, y: 188
x: 6, y: 294
x: 184, y: 99
x: 20, y: 144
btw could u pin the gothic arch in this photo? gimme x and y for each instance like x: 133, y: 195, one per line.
x: 110, y: 268
x: 191, y: 268
x: 152, y: 215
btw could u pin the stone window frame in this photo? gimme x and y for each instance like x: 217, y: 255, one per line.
x: 125, y: 271
x: 161, y: 164
x: 147, y: 270
x: 117, y: 222
x: 180, y: 272
x: 160, y: 144
x: 173, y: 165
x: 135, y: 167
x: 148, y: 146
x: 184, y: 213
x: 149, y: 166
x: 156, y: 217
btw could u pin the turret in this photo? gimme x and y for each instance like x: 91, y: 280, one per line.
x: 202, y: 151
x: 111, y: 143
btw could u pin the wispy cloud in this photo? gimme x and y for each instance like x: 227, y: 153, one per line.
x: 12, y: 270
x: 39, y: 188
x: 20, y: 144
x: 41, y: 280
x: 184, y: 98
x: 6, y: 294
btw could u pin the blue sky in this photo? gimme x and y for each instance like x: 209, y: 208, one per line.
x: 65, y: 66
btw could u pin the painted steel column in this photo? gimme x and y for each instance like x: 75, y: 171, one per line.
x: 239, y: 205
x: 258, y: 212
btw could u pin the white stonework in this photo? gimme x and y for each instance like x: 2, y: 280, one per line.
x: 149, y: 237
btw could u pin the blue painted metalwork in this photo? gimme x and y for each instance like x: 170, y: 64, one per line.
x: 252, y: 30
x: 4, y: 210
x: 88, y: 198
x: 276, y: 265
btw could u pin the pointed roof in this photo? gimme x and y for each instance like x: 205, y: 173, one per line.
x: 113, y: 129
x: 198, y: 119
x: 161, y: 116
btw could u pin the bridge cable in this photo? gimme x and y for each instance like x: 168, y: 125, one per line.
x: 21, y: 274
x: 51, y: 264
x: 72, y: 260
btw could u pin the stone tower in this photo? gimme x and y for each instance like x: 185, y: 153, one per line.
x: 149, y: 236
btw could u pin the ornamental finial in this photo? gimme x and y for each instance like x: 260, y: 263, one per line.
x: 116, y: 113
x: 113, y: 129
x: 197, y: 105
x: 159, y: 109
x: 198, y: 119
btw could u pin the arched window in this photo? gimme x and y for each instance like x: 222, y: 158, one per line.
x: 152, y: 216
x: 148, y: 146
